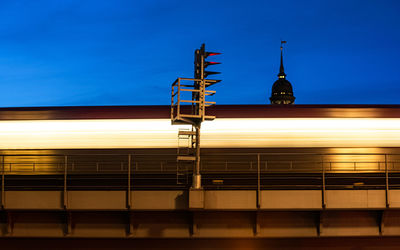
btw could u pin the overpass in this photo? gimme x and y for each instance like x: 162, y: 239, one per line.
x: 248, y: 192
x: 250, y: 196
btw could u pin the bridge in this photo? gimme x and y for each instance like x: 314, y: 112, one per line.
x: 140, y: 192
x: 244, y: 195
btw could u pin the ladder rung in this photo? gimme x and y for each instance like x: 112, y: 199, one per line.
x: 190, y: 116
x: 186, y: 158
x: 189, y: 101
x: 184, y: 137
x: 190, y: 90
x: 186, y: 132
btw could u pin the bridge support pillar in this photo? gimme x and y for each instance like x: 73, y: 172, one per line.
x: 130, y: 228
x: 10, y: 223
x: 67, y: 223
x: 257, y: 226
x: 196, y: 199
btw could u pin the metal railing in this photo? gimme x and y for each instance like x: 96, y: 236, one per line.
x: 101, y: 163
x: 258, y: 164
x: 208, y: 166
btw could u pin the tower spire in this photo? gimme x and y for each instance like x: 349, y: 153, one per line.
x: 282, y: 91
x: 281, y: 69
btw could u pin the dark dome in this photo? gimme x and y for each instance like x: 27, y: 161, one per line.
x: 282, y: 92
x: 282, y: 85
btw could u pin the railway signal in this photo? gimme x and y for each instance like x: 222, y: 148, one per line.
x: 199, y: 91
x: 201, y: 64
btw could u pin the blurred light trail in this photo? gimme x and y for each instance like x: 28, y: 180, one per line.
x: 220, y: 133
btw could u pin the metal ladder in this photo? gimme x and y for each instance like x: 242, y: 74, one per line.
x: 185, y: 154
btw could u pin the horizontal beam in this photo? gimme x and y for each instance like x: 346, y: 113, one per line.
x: 223, y: 200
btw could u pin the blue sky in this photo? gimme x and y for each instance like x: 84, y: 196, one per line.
x: 63, y: 53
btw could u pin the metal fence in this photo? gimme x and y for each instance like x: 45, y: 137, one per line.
x: 247, y: 170
x: 252, y: 162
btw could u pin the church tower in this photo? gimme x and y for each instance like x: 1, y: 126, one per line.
x: 282, y: 91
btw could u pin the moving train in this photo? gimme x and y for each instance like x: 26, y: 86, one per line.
x: 236, y: 126
x: 242, y: 138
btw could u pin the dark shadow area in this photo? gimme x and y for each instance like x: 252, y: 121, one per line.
x: 347, y: 243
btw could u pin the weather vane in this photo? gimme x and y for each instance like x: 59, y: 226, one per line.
x: 282, y: 42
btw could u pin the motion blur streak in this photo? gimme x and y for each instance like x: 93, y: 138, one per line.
x: 221, y: 133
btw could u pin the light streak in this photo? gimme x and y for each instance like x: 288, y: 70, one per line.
x: 221, y: 133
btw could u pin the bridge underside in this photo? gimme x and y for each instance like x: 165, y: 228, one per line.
x: 200, y: 214
x: 344, y: 243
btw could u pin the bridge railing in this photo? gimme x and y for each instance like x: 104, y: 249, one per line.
x: 28, y: 164
x: 208, y: 166
x: 250, y: 170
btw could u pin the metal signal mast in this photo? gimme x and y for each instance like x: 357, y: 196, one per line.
x: 188, y: 107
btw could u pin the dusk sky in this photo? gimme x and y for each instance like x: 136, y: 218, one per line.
x: 68, y: 53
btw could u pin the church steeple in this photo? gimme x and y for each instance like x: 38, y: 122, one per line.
x: 281, y: 69
x: 282, y: 91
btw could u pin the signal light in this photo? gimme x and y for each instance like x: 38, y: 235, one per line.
x: 207, y: 73
x: 206, y: 64
x: 200, y: 64
x: 212, y: 54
